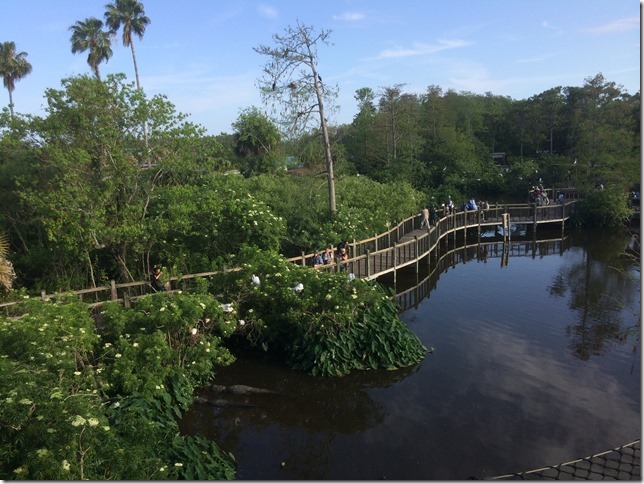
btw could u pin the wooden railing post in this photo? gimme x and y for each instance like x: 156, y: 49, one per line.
x: 114, y: 294
x: 368, y: 264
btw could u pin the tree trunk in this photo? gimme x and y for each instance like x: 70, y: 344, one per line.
x: 327, y: 147
x: 138, y: 86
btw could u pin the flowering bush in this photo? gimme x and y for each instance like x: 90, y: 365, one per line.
x: 326, y: 324
x: 99, y: 400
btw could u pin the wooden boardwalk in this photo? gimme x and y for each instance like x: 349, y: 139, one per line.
x: 401, y: 246
x: 407, y: 244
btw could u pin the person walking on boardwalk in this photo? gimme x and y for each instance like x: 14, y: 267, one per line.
x: 424, y: 223
x: 433, y: 216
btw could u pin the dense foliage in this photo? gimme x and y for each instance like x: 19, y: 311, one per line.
x: 99, y: 401
x: 83, y: 199
x: 79, y: 391
x: 108, y: 183
x: 323, y: 323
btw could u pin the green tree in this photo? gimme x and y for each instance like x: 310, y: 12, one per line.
x: 257, y: 142
x: 13, y: 67
x: 292, y: 79
x: 89, y: 35
x: 87, y: 197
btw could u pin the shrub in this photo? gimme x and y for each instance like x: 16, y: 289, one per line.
x: 87, y: 403
x: 322, y: 323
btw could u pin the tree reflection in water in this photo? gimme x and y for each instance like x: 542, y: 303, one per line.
x: 301, y: 402
x: 507, y: 389
x: 596, y: 287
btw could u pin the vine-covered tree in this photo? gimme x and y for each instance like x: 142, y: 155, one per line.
x: 13, y: 67
x: 291, y: 79
x: 257, y: 142
x: 89, y: 35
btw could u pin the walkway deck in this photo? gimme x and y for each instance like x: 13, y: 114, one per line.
x: 408, y: 244
x: 403, y: 245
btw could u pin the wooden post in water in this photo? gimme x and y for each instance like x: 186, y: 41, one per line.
x: 505, y: 224
x: 395, y: 260
x: 416, y: 253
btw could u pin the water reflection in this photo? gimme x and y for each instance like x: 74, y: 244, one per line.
x: 514, y: 383
x: 599, y: 287
x: 309, y: 410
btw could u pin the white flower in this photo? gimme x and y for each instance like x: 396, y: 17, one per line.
x: 242, y: 322
x: 135, y: 345
x: 117, y: 355
x: 203, y: 306
x: 93, y: 422
x: 77, y: 373
x: 66, y: 465
x: 193, y: 331
x: 78, y: 420
x: 227, y: 308
x: 162, y: 308
x: 255, y: 280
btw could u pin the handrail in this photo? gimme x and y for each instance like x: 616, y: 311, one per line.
x: 381, y: 250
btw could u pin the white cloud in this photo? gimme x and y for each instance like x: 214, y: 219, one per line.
x: 422, y: 49
x: 349, y: 16
x: 267, y: 11
x: 620, y: 25
x: 547, y: 25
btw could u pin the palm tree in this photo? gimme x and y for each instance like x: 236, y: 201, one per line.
x: 131, y: 15
x: 13, y: 67
x: 7, y: 274
x: 89, y: 35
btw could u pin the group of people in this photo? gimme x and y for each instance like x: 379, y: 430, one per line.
x: 328, y: 256
x: 430, y: 214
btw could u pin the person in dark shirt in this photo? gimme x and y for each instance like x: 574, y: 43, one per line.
x: 155, y: 280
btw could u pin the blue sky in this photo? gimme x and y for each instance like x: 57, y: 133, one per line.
x: 199, y: 53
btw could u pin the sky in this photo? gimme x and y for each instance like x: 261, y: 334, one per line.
x: 199, y: 53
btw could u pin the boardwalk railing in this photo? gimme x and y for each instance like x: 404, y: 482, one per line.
x: 407, y: 244
x: 400, y: 246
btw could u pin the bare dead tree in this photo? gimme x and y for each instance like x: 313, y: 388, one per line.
x: 292, y: 86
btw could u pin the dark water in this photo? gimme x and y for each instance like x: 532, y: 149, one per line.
x: 536, y: 362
